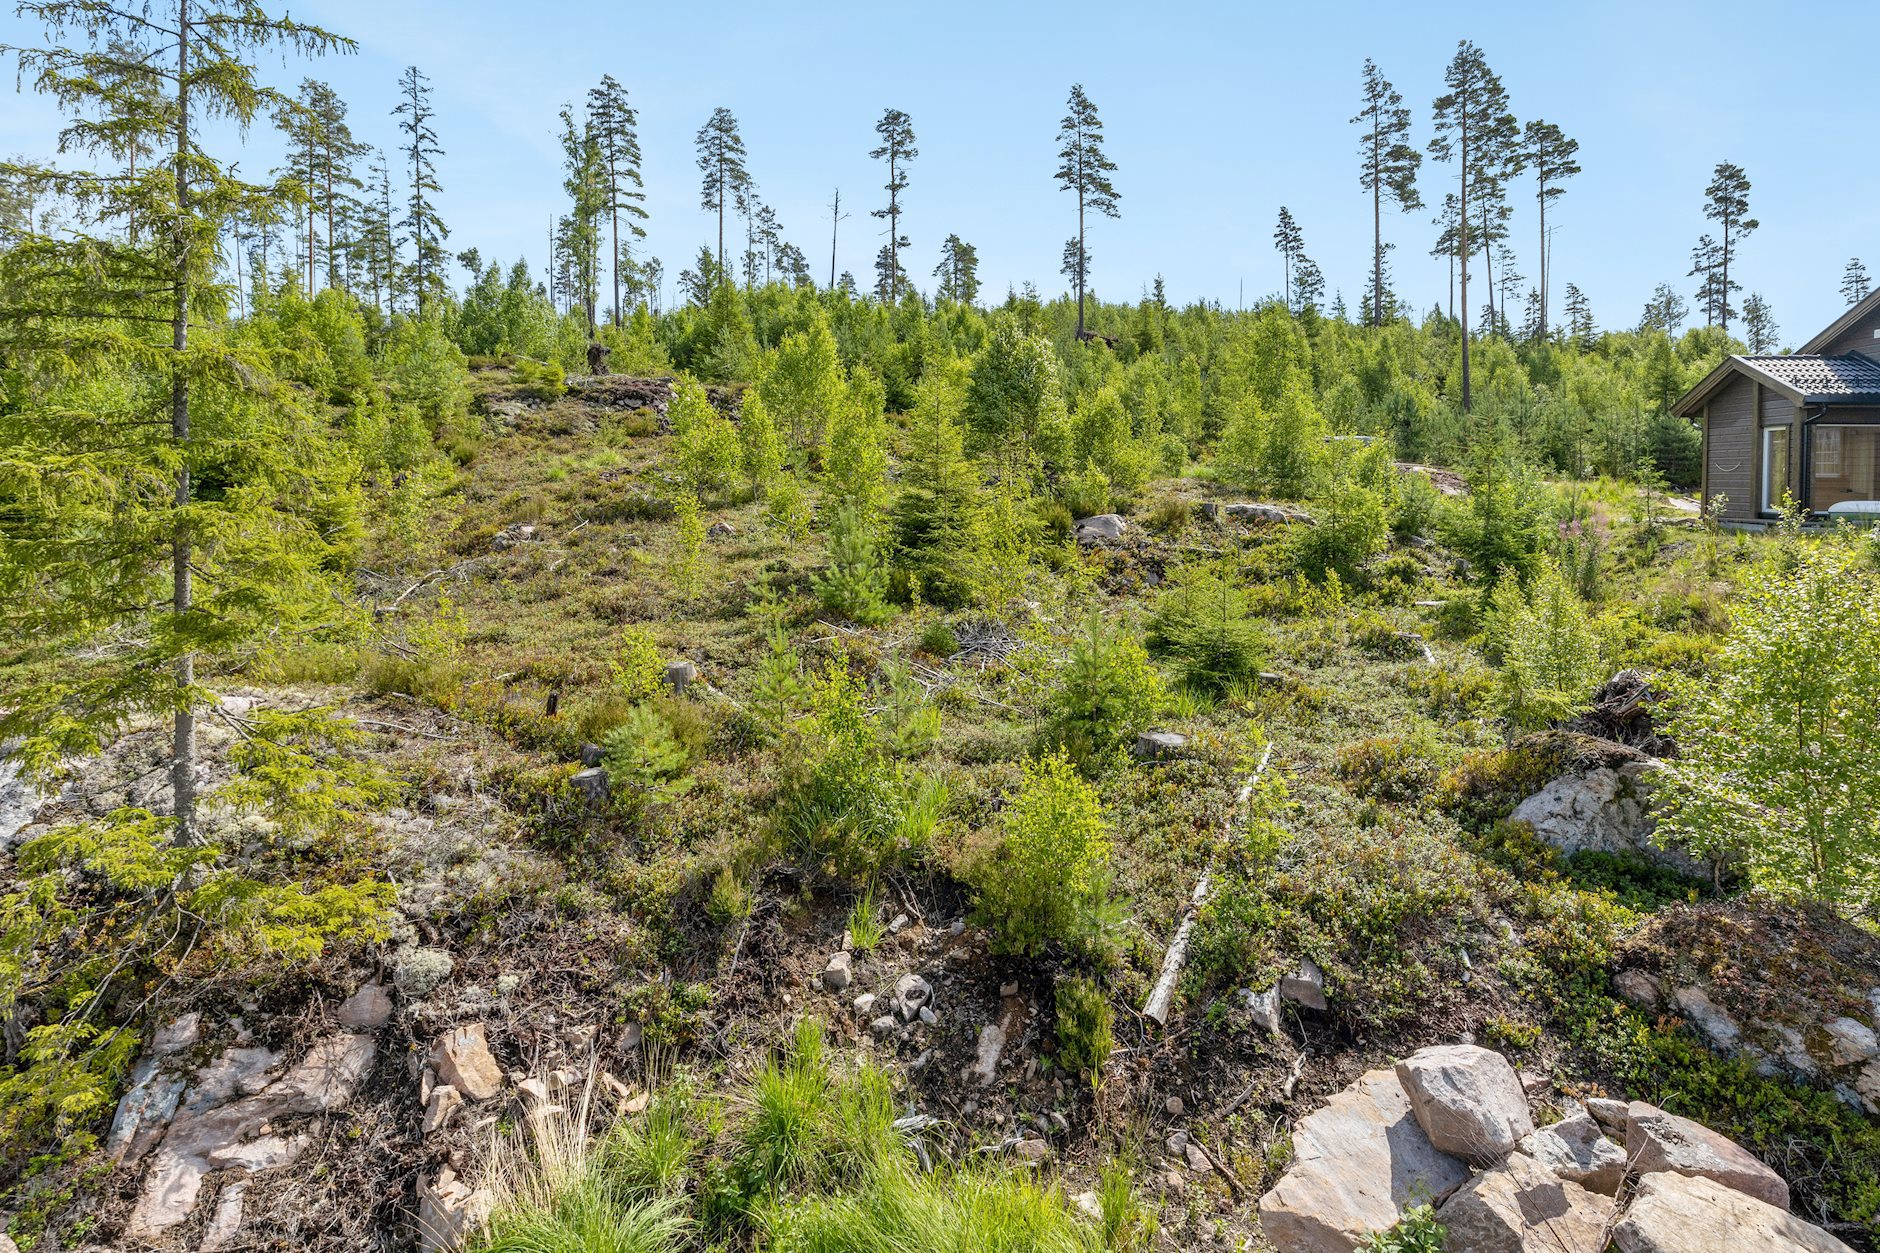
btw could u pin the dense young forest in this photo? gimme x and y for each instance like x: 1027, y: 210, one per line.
x: 581, y: 760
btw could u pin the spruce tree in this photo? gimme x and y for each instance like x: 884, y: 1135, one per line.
x: 721, y: 161
x: 424, y: 229
x: 1579, y: 313
x: 1759, y: 325
x: 1472, y: 126
x: 1290, y: 242
x: 112, y: 539
x: 615, y: 126
x: 1854, y: 283
x: 1551, y: 155
x: 1085, y: 169
x: 1388, y: 167
x: 1726, y: 202
x: 958, y: 271
x: 1706, y: 267
x: 585, y: 181
x: 896, y: 131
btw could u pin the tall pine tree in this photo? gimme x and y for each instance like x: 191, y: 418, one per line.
x: 721, y: 161
x: 1726, y: 202
x: 423, y: 228
x: 1552, y: 156
x: 1472, y: 120
x: 1084, y: 169
x: 1388, y: 168
x: 616, y: 130
x: 896, y: 132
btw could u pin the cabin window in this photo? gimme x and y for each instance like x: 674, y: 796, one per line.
x: 1775, y: 467
x: 1845, y: 466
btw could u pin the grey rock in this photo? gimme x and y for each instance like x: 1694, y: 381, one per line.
x: 222, y: 1125
x: 1104, y: 528
x: 1850, y: 1042
x: 911, y: 992
x: 367, y: 1009
x: 1265, y: 514
x: 1576, y: 1150
x: 1305, y: 986
x: 1690, y: 1214
x: 1608, y: 1113
x: 418, y: 971
x: 448, y: 1209
x: 1033, y: 1151
x: 985, y: 1067
x: 1708, y: 1017
x: 865, y: 1005
x: 1176, y: 1143
x: 839, y: 972
x: 1638, y: 989
x: 1159, y: 745
x: 1197, y: 1158
x: 1174, y: 1107
x: 1467, y: 1100
x: 442, y: 1106
x: 1357, y: 1164
x: 143, y: 1112
x: 223, y: 1230
x: 1519, y: 1207
x: 1657, y: 1141
x: 721, y: 530
x: 1605, y: 809
x: 463, y: 1059
x: 928, y: 1017
x: 175, y: 1036
x: 1262, y: 1007
x: 884, y: 1026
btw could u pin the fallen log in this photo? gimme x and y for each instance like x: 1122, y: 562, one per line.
x: 1162, y: 996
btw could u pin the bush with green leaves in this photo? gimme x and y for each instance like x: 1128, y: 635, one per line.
x: 1550, y: 659
x: 1047, y: 878
x: 708, y: 456
x: 1106, y: 690
x: 1085, y: 1033
x: 638, y: 668
x: 1276, y: 447
x: 848, y: 803
x: 763, y: 449
x: 1779, y: 745
x: 1203, y: 621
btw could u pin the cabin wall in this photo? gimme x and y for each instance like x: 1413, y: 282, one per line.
x: 1730, y: 435
x: 1861, y: 338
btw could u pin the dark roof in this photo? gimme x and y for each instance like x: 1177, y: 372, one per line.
x: 1804, y: 378
x: 1820, y: 379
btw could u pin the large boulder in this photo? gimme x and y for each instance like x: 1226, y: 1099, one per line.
x: 1104, y: 528
x: 1575, y: 1149
x: 1357, y: 1165
x: 1520, y: 1207
x: 1690, y: 1214
x: 1468, y: 1100
x: 1603, y: 808
x: 1656, y: 1141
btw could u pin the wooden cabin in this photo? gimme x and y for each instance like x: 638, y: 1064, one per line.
x: 1807, y: 424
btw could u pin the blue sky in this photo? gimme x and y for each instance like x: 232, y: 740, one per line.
x: 1215, y: 115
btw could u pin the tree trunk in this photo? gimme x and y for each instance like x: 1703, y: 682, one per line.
x: 1462, y: 250
x: 613, y: 187
x: 1377, y: 224
x: 183, y: 759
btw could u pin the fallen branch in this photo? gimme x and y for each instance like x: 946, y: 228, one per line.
x: 1233, y: 1182
x: 1162, y: 996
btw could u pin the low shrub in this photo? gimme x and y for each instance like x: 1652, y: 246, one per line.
x: 1047, y: 879
x: 1084, y: 1027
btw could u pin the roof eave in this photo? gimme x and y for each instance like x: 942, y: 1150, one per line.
x: 1857, y: 311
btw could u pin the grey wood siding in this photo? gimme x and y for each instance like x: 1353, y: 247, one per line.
x: 1729, y: 448
x: 1857, y: 338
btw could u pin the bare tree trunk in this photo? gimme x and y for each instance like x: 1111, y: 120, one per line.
x: 1462, y: 252
x: 183, y: 759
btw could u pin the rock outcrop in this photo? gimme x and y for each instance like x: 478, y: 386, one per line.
x: 1604, y: 808
x: 1689, y: 1214
x: 1657, y: 1141
x: 1522, y: 1207
x: 1577, y: 1150
x: 1357, y: 1165
x: 1468, y: 1100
